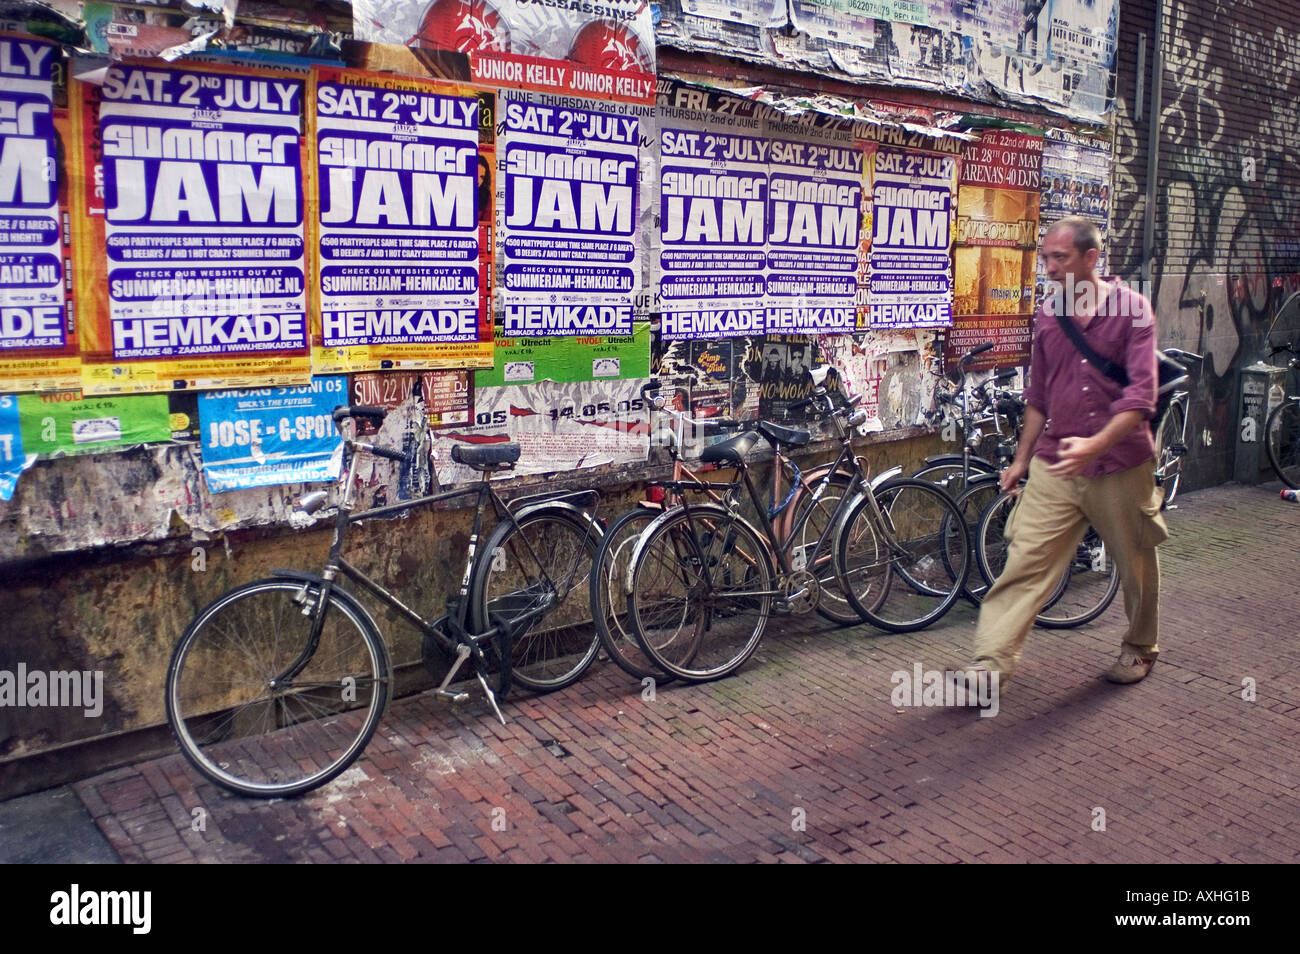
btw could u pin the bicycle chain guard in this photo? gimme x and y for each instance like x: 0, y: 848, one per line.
x: 806, y: 590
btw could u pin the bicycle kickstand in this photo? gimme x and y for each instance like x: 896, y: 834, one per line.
x: 491, y: 697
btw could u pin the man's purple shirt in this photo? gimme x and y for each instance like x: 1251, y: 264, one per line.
x: 1077, y: 399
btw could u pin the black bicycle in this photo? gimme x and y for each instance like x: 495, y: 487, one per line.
x: 277, y: 686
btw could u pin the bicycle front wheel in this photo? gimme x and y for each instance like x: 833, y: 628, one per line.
x: 1086, y: 588
x: 1283, y: 442
x: 904, y: 560
x: 702, y: 592
x: 532, y: 581
x: 1170, y: 451
x: 609, y: 593
x: 260, y: 711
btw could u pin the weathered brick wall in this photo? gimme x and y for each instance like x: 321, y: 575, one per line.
x: 1227, y: 252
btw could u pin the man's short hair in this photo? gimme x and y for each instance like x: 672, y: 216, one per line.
x: 1083, y: 233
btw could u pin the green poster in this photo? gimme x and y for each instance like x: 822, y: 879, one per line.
x: 65, y: 422
x: 569, y: 359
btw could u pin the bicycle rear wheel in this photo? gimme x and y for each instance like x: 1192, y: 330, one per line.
x: 976, y: 499
x: 903, y: 561
x: 256, y: 713
x: 1283, y: 442
x: 533, y: 580
x: 702, y: 592
x: 1086, y: 588
x: 609, y: 593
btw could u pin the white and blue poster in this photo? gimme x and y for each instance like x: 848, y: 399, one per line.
x: 12, y: 458
x: 910, y: 261
x: 814, y: 212
x: 31, y: 260
x: 713, y: 194
x: 571, y: 216
x: 399, y: 195
x: 264, y: 436
x: 203, y: 195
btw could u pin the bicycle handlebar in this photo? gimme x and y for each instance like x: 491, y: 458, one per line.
x: 973, y: 353
x: 359, y: 410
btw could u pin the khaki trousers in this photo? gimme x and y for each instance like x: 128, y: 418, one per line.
x: 1044, y: 530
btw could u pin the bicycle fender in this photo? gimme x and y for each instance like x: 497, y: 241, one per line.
x: 885, y: 475
x: 336, y: 592
x: 594, y: 525
x: 976, y: 463
x: 576, y: 512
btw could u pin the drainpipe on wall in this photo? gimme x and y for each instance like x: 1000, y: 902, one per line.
x: 1153, y: 144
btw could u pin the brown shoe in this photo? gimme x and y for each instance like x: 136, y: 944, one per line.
x: 1130, y: 667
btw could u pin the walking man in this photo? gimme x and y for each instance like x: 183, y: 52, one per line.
x: 1087, y: 450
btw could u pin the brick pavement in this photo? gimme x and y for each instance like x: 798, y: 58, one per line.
x: 1183, y: 767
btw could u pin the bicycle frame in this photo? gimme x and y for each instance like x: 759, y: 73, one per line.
x: 461, y: 642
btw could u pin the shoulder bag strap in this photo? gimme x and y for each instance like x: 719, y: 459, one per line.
x: 1107, y: 367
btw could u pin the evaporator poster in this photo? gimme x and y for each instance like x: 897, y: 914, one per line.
x: 203, y: 230
x: 399, y: 199
x: 997, y: 243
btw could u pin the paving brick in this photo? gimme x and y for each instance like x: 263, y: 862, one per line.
x: 1187, y: 770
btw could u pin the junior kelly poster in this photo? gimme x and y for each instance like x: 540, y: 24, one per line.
x: 397, y: 212
x: 203, y: 225
x: 572, y: 214
x: 35, y: 345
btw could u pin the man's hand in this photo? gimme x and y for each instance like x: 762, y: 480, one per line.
x: 1074, y: 454
x: 1011, y: 477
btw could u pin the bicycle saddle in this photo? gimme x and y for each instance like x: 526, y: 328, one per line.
x: 734, y: 449
x: 485, y: 456
x: 789, y: 436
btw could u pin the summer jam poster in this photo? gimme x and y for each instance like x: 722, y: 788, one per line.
x: 191, y: 252
x: 401, y: 204
x: 571, y: 218
x: 38, y: 349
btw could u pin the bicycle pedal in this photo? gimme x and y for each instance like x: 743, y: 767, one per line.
x: 449, y: 696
